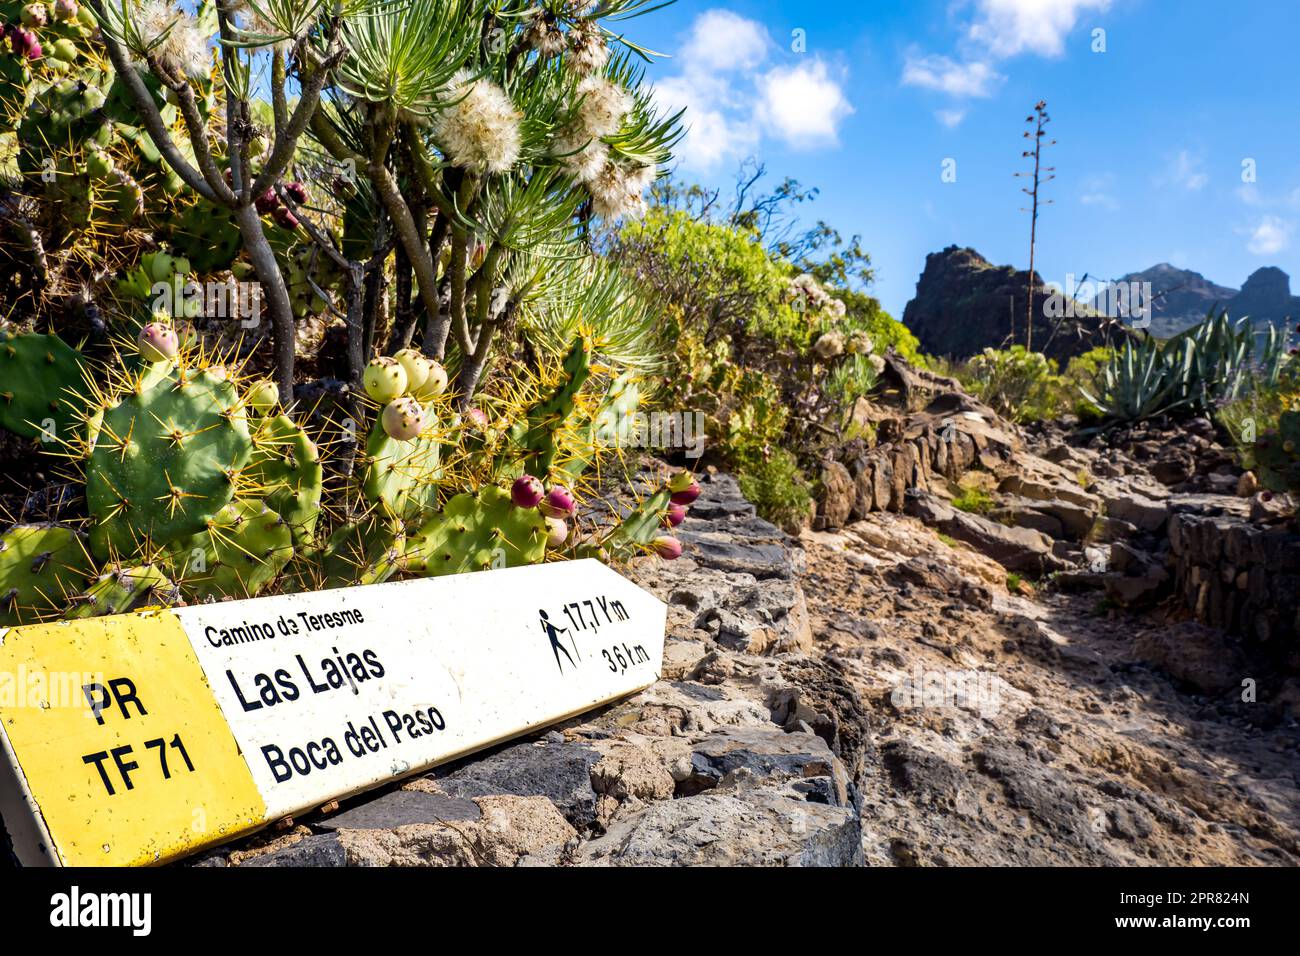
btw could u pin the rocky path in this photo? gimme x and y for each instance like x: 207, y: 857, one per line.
x: 1057, y: 741
x: 873, y: 695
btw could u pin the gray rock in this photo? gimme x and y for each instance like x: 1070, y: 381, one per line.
x: 753, y: 827
x: 401, y: 808
x: 720, y: 551
x: 747, y: 756
x: 320, y: 850
x: 559, y: 772
x: 1016, y: 549
x: 1146, y: 513
x: 838, y: 496
x: 720, y: 497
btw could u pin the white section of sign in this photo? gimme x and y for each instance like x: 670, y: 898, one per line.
x: 333, y: 692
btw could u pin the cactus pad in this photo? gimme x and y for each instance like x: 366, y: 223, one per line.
x: 366, y: 551
x: 287, y: 468
x: 41, y: 566
x: 40, y: 382
x: 242, y: 550
x: 403, y: 476
x: 640, y: 527
x: 474, y: 532
x: 118, y: 590
x: 165, y: 460
x: 535, y: 440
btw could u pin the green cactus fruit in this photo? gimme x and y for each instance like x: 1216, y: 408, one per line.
x: 366, y: 551
x: 41, y: 567
x: 474, y: 532
x: 41, y: 386
x: 535, y: 440
x: 640, y: 527
x: 163, y: 461
x: 403, y: 476
x: 286, y: 466
x: 120, y: 589
x: 263, y: 397
x: 241, y: 552
x: 384, y: 379
x: 417, y: 369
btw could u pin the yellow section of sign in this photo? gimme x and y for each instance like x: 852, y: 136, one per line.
x: 121, y: 741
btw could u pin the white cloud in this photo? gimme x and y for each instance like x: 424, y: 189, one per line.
x: 717, y: 131
x: 1186, y: 171
x: 946, y: 75
x: 1269, y: 236
x: 733, y: 98
x: 723, y: 41
x: 802, y: 104
x: 950, y: 118
x: 996, y: 31
x: 1005, y: 28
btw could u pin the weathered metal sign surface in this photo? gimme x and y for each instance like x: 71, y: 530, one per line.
x: 138, y: 738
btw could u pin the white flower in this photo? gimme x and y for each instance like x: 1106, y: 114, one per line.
x: 859, y: 342
x: 184, y: 48
x: 587, y: 163
x: 601, y: 113
x: 836, y: 308
x: 807, y: 293
x: 829, y: 345
x: 543, y: 36
x: 617, y: 191
x: 604, y: 105
x: 479, y: 128
x: 587, y: 50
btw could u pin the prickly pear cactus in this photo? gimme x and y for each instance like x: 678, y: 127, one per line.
x: 41, y: 567
x: 240, y: 553
x: 207, y: 236
x: 120, y: 589
x: 1277, y: 454
x: 41, y: 386
x: 368, y: 550
x: 611, y: 426
x: 286, y: 468
x: 474, y: 532
x: 640, y: 527
x: 403, y: 476
x: 163, y: 461
x: 535, y: 440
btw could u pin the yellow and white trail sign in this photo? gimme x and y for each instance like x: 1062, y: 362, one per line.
x: 138, y: 738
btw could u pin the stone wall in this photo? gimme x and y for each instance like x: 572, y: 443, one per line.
x: 1243, y: 578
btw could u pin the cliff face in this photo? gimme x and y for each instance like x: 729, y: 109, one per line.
x: 1266, y: 297
x: 964, y: 304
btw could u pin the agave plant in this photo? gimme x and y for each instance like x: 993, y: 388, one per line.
x: 1197, y: 370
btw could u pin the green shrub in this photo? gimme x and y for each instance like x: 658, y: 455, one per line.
x: 775, y: 485
x: 1021, y: 385
x: 973, y: 500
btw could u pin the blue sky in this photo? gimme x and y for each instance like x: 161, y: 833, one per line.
x: 1153, y: 131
